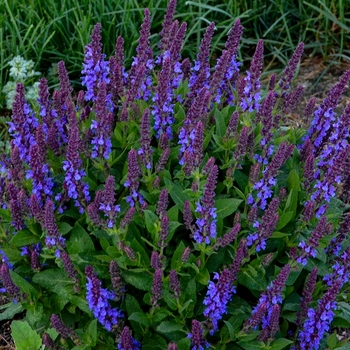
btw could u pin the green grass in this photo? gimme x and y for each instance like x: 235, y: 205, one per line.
x: 49, y: 31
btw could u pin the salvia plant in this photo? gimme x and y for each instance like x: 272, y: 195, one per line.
x: 171, y: 206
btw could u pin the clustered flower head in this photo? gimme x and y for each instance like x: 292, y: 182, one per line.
x: 98, y: 301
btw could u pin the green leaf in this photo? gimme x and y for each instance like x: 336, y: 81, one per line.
x: 12, y: 310
x: 332, y: 341
x: 203, y: 277
x: 24, y: 337
x: 169, y: 327
x: 293, y: 181
x: 140, y: 317
x: 25, y: 286
x: 132, y: 305
x: 35, y: 314
x: 176, y: 193
x: 151, y: 221
x: 80, y: 241
x: 284, y: 219
x: 226, y: 206
x: 220, y: 123
x: 234, y: 324
x: 280, y: 344
x: 142, y: 281
x: 176, y: 258
x: 141, y: 250
x: 184, y: 344
x: 342, y: 319
x: 153, y: 341
x: 64, y: 228
x: 24, y: 237
x: 252, y: 279
x: 55, y: 280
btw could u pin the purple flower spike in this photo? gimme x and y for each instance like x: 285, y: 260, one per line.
x: 162, y: 203
x: 157, y: 287
x: 69, y: 267
x: 306, y: 299
x: 53, y: 237
x: 102, y: 125
x: 206, y: 223
x: 308, y: 249
x: 127, y: 342
x: 6, y: 279
x: 318, y: 320
x: 63, y: 330
x: 107, y: 203
x: 145, y: 151
x: 23, y: 124
x: 270, y: 297
x: 132, y: 179
x: 270, y: 331
x: 197, y: 339
x: 97, y: 298
x: 163, y: 109
x: 221, y: 292
x: 291, y: 68
x: 73, y: 166
x: 166, y: 26
x: 201, y: 69
x: 174, y: 283
x: 266, y: 227
x: 117, y: 72
x: 172, y: 346
x: 96, y: 69
x: 251, y: 93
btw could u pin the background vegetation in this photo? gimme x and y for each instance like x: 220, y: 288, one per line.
x: 49, y: 31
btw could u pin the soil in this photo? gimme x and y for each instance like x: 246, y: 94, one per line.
x: 317, y: 78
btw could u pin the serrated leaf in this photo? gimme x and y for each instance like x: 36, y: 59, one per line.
x: 24, y: 337
x: 176, y: 193
x: 141, y: 281
x: 24, y: 237
x: 226, y: 206
x: 284, y: 219
x: 176, y: 258
x: 64, y: 228
x: 252, y: 279
x: 220, y: 123
x: 293, y: 181
x: 25, y: 286
x: 184, y: 344
x: 280, y: 344
x: 55, y: 280
x: 140, y: 317
x: 151, y: 220
x: 203, y: 277
x: 12, y: 310
x: 80, y: 241
x: 169, y: 327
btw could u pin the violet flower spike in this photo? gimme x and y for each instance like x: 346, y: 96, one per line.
x: 306, y: 299
x: 53, y: 237
x: 166, y: 26
x: 206, y: 223
x: 197, y: 339
x: 127, y: 342
x: 251, y: 93
x: 291, y: 67
x: 132, y: 179
x: 95, y: 68
x: 97, y: 298
x: 7, y: 281
x: 201, y: 69
x: 73, y: 166
x: 318, y: 320
x: 107, y: 203
x: 163, y: 108
x: 157, y: 287
x: 145, y: 151
x: 23, y: 124
x: 102, y: 125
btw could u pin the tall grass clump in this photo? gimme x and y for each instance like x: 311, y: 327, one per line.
x: 170, y: 206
